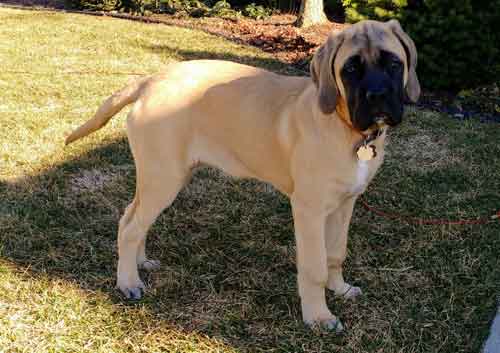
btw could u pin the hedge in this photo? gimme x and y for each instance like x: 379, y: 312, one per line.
x: 458, y: 41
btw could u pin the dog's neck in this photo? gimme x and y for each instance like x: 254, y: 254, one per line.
x: 356, y: 137
x: 343, y: 113
x: 333, y: 128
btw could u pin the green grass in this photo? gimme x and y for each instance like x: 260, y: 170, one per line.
x: 227, y: 280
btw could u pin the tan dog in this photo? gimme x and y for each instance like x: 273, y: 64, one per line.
x: 297, y: 133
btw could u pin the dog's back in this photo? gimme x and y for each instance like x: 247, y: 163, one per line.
x: 221, y: 113
x: 207, y: 84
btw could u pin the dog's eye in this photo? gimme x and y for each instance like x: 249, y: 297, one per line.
x: 353, y: 65
x: 351, y: 68
x: 395, y: 64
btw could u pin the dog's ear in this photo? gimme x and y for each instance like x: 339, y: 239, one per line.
x: 412, y: 86
x: 323, y: 75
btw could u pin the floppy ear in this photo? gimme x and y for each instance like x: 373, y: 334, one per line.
x: 412, y: 86
x: 323, y: 75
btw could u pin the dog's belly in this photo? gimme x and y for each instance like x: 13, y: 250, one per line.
x: 204, y: 151
x: 237, y: 164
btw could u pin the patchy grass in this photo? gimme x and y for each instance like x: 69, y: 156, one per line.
x: 227, y: 280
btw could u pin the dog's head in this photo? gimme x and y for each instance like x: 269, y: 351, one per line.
x: 369, y: 67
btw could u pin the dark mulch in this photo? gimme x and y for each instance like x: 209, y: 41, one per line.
x: 481, y: 103
x: 276, y: 34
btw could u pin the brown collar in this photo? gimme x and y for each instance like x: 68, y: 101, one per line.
x: 367, y: 138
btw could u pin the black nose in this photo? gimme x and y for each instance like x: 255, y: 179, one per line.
x: 376, y: 96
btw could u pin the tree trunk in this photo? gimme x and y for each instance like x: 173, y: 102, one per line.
x: 311, y: 13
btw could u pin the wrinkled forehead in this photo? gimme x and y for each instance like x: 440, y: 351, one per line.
x: 368, y: 40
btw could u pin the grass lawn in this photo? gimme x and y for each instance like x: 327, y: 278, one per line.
x: 227, y: 280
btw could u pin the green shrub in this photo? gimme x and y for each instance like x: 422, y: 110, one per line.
x: 457, y: 41
x: 193, y: 8
x: 357, y: 10
x: 257, y: 12
x: 223, y: 9
x: 196, y: 8
x: 93, y: 5
x: 268, y: 4
x: 131, y: 6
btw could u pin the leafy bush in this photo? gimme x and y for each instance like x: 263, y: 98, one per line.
x: 456, y: 40
x: 223, y: 9
x: 193, y: 8
x: 93, y: 5
x: 257, y: 12
x: 132, y: 6
x: 357, y: 10
x: 268, y: 4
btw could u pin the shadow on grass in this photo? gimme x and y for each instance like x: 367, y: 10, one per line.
x: 269, y: 63
x: 226, y: 246
x: 227, y: 254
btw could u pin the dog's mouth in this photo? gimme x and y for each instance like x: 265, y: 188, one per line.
x: 377, y: 121
x: 383, y: 119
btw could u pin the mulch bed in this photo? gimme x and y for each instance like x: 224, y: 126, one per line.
x: 276, y: 34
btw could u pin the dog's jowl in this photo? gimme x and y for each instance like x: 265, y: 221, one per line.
x: 302, y: 135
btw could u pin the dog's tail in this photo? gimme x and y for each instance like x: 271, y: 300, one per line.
x: 108, y: 109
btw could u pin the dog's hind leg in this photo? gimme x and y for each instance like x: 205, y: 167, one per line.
x: 151, y: 198
x: 143, y: 262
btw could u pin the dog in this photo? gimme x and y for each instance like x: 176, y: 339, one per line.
x: 319, y: 140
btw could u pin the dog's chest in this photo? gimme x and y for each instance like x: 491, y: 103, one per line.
x: 363, y: 173
x: 361, y: 178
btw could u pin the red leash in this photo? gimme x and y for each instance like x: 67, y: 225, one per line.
x: 421, y: 221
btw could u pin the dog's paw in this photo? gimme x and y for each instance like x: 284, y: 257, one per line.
x: 134, y: 292
x: 149, y: 265
x: 332, y: 324
x: 346, y: 291
x: 350, y: 293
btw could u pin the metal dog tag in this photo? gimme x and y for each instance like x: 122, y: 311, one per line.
x: 366, y: 152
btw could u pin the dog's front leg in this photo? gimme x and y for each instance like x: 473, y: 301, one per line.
x: 337, y: 226
x: 312, y: 269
